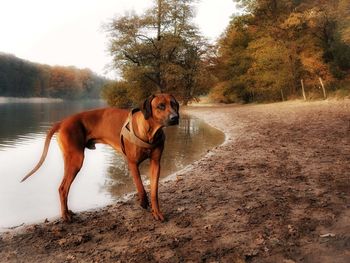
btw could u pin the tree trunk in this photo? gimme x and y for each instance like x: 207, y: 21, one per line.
x: 159, y: 19
x: 323, y: 88
x: 282, y: 95
x: 159, y: 24
x: 302, y: 88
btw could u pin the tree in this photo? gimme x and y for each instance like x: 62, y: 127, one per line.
x: 115, y: 93
x: 160, y: 50
x: 264, y: 53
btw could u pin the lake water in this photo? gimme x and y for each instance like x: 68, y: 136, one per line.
x: 104, y: 177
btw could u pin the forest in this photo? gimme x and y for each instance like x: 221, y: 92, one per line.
x: 271, y: 51
x: 21, y: 78
x: 277, y: 48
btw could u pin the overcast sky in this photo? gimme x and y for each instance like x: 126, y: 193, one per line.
x: 68, y: 32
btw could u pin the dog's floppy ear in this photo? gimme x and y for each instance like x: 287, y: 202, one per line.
x: 176, y: 103
x: 147, y: 107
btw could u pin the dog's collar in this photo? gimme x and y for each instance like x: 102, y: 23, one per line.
x: 127, y: 132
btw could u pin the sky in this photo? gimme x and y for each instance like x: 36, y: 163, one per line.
x: 69, y: 32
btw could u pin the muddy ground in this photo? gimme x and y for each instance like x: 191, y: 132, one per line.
x: 276, y: 191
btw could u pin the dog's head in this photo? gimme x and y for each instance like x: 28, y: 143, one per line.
x: 162, y: 108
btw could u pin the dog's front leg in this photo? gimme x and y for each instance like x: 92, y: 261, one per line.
x: 134, y: 169
x: 155, y: 172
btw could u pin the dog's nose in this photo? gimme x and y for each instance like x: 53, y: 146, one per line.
x: 174, y: 117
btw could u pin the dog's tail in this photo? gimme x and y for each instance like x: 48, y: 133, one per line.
x: 49, y: 135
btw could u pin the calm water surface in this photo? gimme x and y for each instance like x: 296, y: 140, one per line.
x: 104, y: 177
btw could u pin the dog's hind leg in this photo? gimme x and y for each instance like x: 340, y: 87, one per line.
x: 73, y: 155
x: 72, y: 165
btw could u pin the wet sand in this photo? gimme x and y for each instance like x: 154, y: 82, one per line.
x: 277, y: 190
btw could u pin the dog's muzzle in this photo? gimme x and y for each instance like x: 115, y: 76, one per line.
x: 173, y: 120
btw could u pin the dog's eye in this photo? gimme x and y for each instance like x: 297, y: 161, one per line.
x: 161, y: 106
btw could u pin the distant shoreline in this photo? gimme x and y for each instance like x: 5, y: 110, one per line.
x: 28, y: 100
x: 4, y: 100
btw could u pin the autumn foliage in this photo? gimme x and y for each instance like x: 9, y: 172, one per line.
x: 265, y: 53
x: 21, y: 78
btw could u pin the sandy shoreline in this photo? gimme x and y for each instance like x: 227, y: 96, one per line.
x: 277, y: 190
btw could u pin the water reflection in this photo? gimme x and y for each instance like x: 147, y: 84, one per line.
x: 184, y: 144
x: 24, y: 120
x: 104, y: 176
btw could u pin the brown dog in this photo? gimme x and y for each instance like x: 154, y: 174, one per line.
x: 137, y: 134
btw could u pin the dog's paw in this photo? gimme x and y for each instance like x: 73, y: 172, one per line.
x: 71, y: 213
x: 68, y: 217
x: 158, y: 216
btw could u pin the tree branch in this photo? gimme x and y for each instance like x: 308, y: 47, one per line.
x: 134, y: 60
